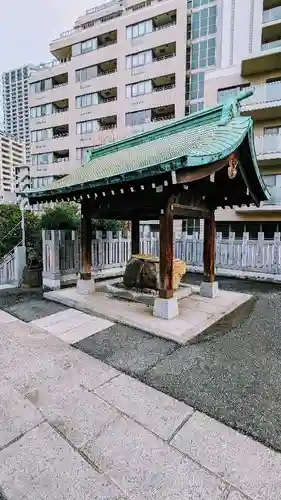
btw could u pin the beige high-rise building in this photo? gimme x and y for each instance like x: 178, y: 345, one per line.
x: 125, y: 67
x: 12, y: 156
x: 251, y: 58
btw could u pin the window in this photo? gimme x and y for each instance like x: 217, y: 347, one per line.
x: 196, y: 106
x: 83, y: 101
x: 138, y: 117
x: 39, y: 182
x: 203, y: 54
x: 139, y: 88
x: 42, y: 160
x: 139, y: 59
x: 230, y: 92
x: 84, y: 74
x: 197, y: 3
x: 41, y: 135
x: 191, y: 226
x: 41, y: 86
x: 203, y: 22
x: 139, y: 29
x: 197, y: 86
x: 38, y: 111
x: 84, y: 47
x: 82, y: 154
x: 272, y: 131
x: 86, y: 127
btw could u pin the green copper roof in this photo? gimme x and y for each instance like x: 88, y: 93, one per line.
x: 199, y: 139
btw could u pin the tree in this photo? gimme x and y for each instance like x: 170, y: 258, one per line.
x: 62, y: 216
x: 10, y: 228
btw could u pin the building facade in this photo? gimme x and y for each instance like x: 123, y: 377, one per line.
x: 124, y: 67
x: 15, y: 104
x: 12, y: 156
x: 250, y: 57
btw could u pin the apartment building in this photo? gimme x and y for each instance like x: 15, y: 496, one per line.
x: 15, y: 103
x: 125, y: 67
x: 12, y: 156
x: 251, y: 58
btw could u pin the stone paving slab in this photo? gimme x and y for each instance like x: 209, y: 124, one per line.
x: 76, y: 412
x: 33, y: 338
x: 17, y: 414
x: 72, y: 325
x: 6, y: 318
x: 154, y: 410
x: 180, y: 329
x: 51, y: 319
x: 43, y: 466
x: 236, y: 495
x: 146, y: 468
x: 246, y: 464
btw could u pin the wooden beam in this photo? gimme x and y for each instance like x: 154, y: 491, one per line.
x: 209, y: 248
x: 190, y: 211
x: 86, y: 242
x: 166, y: 253
x: 189, y: 175
x: 135, y: 236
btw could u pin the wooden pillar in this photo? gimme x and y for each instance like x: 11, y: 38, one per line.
x: 86, y: 242
x: 209, y: 248
x: 135, y: 232
x: 166, y: 253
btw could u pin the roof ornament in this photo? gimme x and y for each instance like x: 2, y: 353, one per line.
x: 231, y: 108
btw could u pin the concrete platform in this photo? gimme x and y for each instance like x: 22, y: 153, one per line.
x: 196, y: 314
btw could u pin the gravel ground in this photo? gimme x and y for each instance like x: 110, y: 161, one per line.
x: 27, y: 305
x: 234, y: 376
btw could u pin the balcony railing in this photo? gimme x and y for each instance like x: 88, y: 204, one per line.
x: 268, y: 144
x: 266, y: 93
x: 275, y: 198
x: 52, y: 64
x: 60, y: 160
x: 271, y: 15
x: 164, y: 87
x: 271, y: 45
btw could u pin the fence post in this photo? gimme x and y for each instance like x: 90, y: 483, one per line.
x: 20, y: 263
x: 260, y: 246
x: 231, y: 249
x: 99, y: 249
x: 218, y: 249
x: 51, y: 266
x: 276, y: 254
x: 245, y: 250
x: 110, y: 244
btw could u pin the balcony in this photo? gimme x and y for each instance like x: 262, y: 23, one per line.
x: 107, y: 39
x: 271, y: 15
x: 140, y: 31
x: 268, y: 60
x: 268, y: 149
x: 265, y: 103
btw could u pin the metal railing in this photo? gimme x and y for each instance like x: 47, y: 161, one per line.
x: 268, y: 144
x: 266, y: 93
x: 271, y: 45
x: 271, y: 15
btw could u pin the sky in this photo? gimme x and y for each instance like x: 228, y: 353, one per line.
x: 28, y: 26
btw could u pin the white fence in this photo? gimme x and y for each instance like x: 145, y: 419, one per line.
x: 12, y: 266
x: 260, y: 259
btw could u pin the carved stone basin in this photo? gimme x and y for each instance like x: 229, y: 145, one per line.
x: 142, y: 271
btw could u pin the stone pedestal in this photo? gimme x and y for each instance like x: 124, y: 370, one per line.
x: 85, y: 287
x: 209, y: 289
x: 166, y: 308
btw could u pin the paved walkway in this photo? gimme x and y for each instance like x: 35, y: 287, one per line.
x: 73, y: 428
